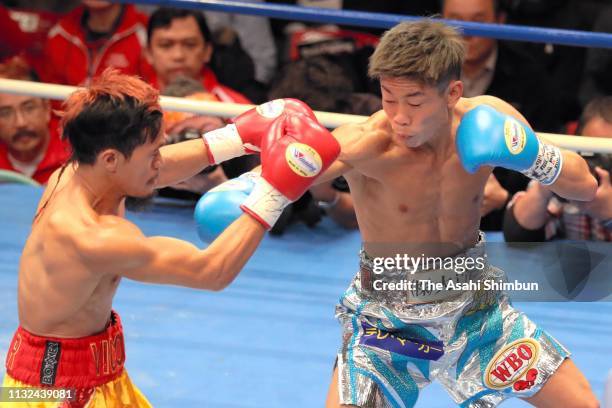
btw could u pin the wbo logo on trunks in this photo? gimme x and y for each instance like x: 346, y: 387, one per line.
x: 417, y: 348
x: 512, y: 366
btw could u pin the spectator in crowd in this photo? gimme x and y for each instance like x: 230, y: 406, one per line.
x: 324, y: 85
x: 563, y: 64
x: 412, y: 7
x: 27, y: 28
x: 538, y: 215
x: 182, y: 126
x: 497, y: 68
x: 12, y: 38
x: 180, y: 43
x: 254, y: 34
x: 234, y: 67
x: 597, y: 80
x: 29, y: 138
x: 500, y: 69
x: 96, y: 35
x: 54, y: 6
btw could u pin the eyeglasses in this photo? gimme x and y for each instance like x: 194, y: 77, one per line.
x: 28, y: 109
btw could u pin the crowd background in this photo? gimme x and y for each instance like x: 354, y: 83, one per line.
x: 246, y: 59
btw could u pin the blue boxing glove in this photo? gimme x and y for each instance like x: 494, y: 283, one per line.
x: 220, y: 206
x: 488, y: 137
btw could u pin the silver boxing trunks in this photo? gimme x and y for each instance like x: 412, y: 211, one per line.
x: 473, y: 342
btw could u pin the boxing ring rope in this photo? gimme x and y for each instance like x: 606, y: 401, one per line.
x: 385, y: 20
x: 228, y: 110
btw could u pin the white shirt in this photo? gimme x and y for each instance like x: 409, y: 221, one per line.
x: 28, y: 168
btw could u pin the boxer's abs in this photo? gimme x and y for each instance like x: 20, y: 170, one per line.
x: 431, y: 220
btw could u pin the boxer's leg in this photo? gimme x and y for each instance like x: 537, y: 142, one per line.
x: 506, y: 355
x: 567, y: 387
x: 333, y: 398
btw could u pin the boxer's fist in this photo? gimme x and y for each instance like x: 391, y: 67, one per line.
x: 220, y: 206
x: 294, y: 153
x: 244, y: 135
x: 488, y: 137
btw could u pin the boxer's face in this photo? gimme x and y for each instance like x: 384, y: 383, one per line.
x: 24, y: 124
x: 417, y: 112
x: 138, y: 174
x: 478, y: 11
x: 179, y: 49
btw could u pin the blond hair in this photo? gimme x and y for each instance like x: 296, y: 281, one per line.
x: 427, y: 51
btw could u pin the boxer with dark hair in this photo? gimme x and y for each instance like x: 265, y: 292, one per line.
x: 81, y: 245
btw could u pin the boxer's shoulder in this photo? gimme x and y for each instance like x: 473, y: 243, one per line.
x: 105, y: 239
x: 467, y: 104
x: 364, y: 140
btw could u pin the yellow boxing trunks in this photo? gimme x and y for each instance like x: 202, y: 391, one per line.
x: 87, y: 372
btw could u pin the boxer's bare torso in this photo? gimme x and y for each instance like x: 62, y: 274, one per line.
x: 81, y: 245
x: 417, y: 200
x: 60, y: 293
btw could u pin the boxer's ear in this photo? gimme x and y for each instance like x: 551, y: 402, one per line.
x: 109, y: 159
x: 455, y: 91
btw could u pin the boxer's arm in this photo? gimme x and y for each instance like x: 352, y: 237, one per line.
x: 575, y: 182
x: 358, y: 142
x: 123, y: 250
x: 530, y: 207
x: 338, y: 167
x: 181, y: 161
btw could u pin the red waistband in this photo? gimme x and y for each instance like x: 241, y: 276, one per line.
x: 67, y: 363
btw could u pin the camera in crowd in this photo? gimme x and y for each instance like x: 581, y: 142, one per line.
x: 603, y: 160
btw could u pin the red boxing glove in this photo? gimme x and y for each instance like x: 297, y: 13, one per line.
x: 244, y: 135
x: 294, y: 153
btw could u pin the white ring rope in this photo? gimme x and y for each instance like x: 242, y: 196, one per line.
x: 228, y: 110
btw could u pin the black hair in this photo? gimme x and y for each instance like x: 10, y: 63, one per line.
x: 163, y: 16
x: 111, y: 123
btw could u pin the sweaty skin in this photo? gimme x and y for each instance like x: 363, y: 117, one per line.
x: 420, y: 199
x: 412, y: 195
x: 81, y: 246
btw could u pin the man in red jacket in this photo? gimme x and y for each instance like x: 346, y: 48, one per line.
x: 29, y: 137
x: 180, y: 44
x: 96, y: 35
x: 12, y: 38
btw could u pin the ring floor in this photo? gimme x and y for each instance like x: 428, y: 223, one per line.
x: 269, y: 340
